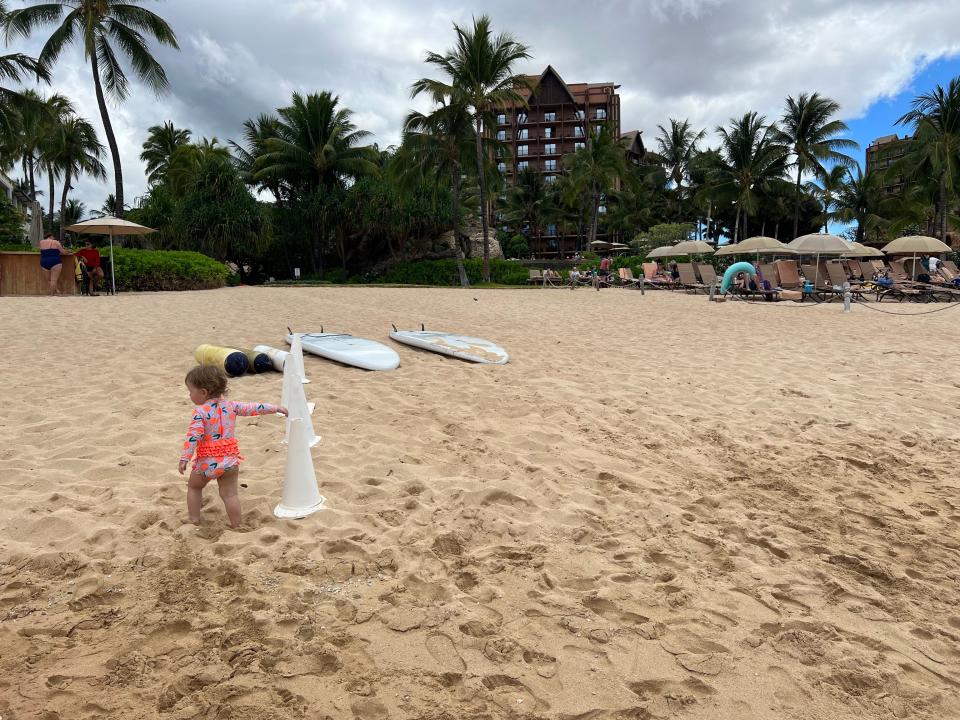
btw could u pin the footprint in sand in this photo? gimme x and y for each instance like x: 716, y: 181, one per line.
x: 442, y: 649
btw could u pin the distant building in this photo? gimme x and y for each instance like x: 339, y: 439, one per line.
x: 881, y: 154
x: 556, y: 122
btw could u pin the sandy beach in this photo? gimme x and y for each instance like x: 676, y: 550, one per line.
x: 660, y: 508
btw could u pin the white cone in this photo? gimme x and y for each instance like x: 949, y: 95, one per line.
x: 295, y: 400
x: 277, y: 357
x: 301, y: 495
x: 296, y: 353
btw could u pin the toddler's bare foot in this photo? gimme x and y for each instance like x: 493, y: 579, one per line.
x: 192, y: 521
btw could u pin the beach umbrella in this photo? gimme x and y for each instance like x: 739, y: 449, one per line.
x: 36, y: 224
x: 692, y: 247
x: 861, y: 250
x: 914, y: 244
x: 759, y: 244
x: 111, y: 226
x: 662, y: 251
x: 819, y: 244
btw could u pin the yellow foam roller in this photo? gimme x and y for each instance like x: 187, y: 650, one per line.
x: 230, y: 360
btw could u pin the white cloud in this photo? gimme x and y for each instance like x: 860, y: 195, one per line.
x: 706, y: 60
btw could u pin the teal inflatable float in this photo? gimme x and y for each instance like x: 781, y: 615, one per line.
x: 731, y: 273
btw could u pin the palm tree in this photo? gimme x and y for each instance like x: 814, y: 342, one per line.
x: 751, y: 159
x: 677, y: 147
x: 594, y: 170
x: 71, y: 213
x: 934, y: 149
x: 811, y: 135
x: 162, y: 141
x: 79, y: 152
x: 861, y: 200
x: 187, y: 159
x: 57, y: 112
x: 827, y: 190
x: 316, y: 145
x: 255, y: 133
x: 96, y: 23
x: 439, y: 143
x: 481, y: 76
x: 527, y: 204
x: 14, y: 67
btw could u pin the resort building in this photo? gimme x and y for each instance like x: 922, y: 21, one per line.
x: 557, y: 121
x: 881, y: 154
x: 16, y: 198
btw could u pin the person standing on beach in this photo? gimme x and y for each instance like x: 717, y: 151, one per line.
x: 211, y: 437
x: 50, y: 250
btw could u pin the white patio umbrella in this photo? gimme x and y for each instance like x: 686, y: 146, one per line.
x: 819, y: 244
x: 915, y: 244
x: 662, y: 251
x: 111, y: 226
x: 693, y: 247
x: 759, y: 244
x: 864, y: 251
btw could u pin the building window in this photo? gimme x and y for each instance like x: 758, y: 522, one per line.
x: 551, y: 228
x: 502, y: 119
x: 550, y: 179
x: 578, y: 146
x: 521, y: 117
x: 550, y: 149
x: 548, y: 132
x: 523, y: 149
x: 502, y: 167
x: 600, y: 114
x: 523, y: 165
x: 578, y: 131
x: 550, y: 165
x: 579, y: 114
x: 597, y: 129
x: 501, y: 134
x: 549, y: 117
x: 523, y: 134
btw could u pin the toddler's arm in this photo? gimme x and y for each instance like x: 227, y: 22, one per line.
x: 248, y: 409
x: 194, y: 435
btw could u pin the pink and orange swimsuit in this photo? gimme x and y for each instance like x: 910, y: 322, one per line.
x: 211, y: 435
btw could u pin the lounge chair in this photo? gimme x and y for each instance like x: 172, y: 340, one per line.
x: 708, y: 275
x: 653, y: 277
x: 788, y: 279
x: 688, y: 278
x: 627, y: 279
x: 951, y: 266
x: 535, y: 277
x: 823, y: 289
x: 838, y: 278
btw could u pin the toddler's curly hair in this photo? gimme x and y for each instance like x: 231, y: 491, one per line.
x: 209, y: 378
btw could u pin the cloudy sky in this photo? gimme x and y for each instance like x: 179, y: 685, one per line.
x: 705, y: 60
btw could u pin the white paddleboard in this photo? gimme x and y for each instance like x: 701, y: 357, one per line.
x: 349, y: 350
x: 459, y: 346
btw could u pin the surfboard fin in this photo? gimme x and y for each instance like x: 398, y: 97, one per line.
x: 422, y: 327
x: 394, y: 327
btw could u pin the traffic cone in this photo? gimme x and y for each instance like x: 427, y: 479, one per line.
x: 295, y: 400
x: 301, y: 495
x: 277, y: 357
x: 296, y: 353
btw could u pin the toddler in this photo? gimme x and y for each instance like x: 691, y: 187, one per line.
x: 211, y: 437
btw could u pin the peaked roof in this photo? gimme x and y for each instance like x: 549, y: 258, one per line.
x: 550, y: 72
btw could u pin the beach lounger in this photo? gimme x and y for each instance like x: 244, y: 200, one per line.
x: 627, y: 279
x: 838, y: 278
x: 688, y: 278
x: 653, y: 277
x: 535, y: 277
x: 788, y: 279
x: 708, y: 275
x: 823, y: 289
x: 951, y: 266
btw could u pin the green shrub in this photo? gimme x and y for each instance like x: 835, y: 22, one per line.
x: 17, y: 247
x: 444, y: 272
x: 166, y: 270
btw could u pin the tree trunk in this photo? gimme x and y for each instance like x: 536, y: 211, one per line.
x: 943, y: 208
x: 483, y: 204
x: 736, y: 227
x: 595, y: 217
x: 796, y: 206
x: 455, y: 208
x: 63, y: 199
x: 33, y: 187
x: 746, y: 219
x: 111, y: 139
x: 53, y: 189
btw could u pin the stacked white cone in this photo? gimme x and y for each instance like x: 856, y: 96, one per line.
x: 301, y: 495
x: 296, y: 357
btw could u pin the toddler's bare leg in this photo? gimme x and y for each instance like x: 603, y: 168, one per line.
x: 229, y: 488
x: 195, y: 486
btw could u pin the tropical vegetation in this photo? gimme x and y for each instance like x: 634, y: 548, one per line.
x: 300, y: 189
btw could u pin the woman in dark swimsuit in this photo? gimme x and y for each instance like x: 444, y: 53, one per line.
x: 51, y: 263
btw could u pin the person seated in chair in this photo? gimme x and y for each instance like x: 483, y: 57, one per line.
x: 90, y: 257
